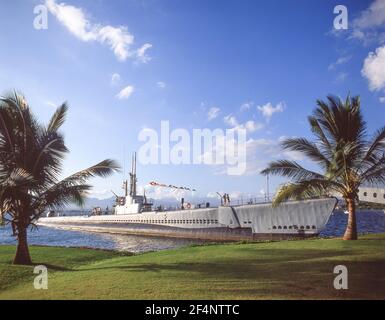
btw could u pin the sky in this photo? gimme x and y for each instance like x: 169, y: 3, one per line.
x: 124, y: 66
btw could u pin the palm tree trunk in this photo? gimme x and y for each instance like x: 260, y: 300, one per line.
x: 351, y: 229
x: 22, y: 252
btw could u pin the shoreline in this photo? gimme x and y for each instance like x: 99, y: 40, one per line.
x: 203, y: 244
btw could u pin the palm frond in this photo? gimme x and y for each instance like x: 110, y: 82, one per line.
x: 376, y: 147
x: 341, y: 149
x: 60, y: 195
x: 307, y: 148
x: 18, y: 177
x: 102, y: 169
x: 320, y: 134
x: 47, y: 156
x: 31, y: 156
x: 7, y: 142
x: 341, y: 120
x: 302, y: 190
x: 290, y: 169
x: 58, y: 118
x: 376, y: 173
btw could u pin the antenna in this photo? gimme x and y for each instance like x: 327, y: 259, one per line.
x: 125, y: 187
x: 135, y: 180
x: 133, y: 176
x: 132, y: 164
x: 221, y: 197
x: 117, y: 197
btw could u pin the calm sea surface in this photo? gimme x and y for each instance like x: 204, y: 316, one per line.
x: 368, y: 222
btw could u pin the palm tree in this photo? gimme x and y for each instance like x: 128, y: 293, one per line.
x: 31, y: 156
x: 347, y: 157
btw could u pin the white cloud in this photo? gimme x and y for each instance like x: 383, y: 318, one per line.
x: 249, y: 125
x: 357, y: 34
x: 268, y: 109
x: 246, y: 106
x: 141, y: 53
x: 213, y: 113
x: 341, y: 60
x: 372, y: 17
x: 262, y: 151
x: 161, y: 84
x: 252, y: 126
x: 51, y: 104
x: 368, y: 27
x: 293, y: 155
x: 125, y: 93
x: 73, y: 19
x: 158, y: 193
x: 259, y: 152
x: 117, y: 38
x: 115, y: 79
x: 374, y: 69
x: 230, y: 121
x: 382, y: 99
x: 100, y: 194
x: 341, y: 76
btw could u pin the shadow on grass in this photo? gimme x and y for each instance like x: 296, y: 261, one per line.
x: 303, y: 279
x: 263, y: 257
x: 251, y: 273
x: 51, y: 266
x: 289, y: 272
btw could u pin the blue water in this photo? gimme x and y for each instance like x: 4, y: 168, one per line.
x: 67, y: 238
x: 368, y: 222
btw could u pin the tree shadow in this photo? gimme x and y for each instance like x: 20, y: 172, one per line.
x: 236, y: 266
x: 51, y: 266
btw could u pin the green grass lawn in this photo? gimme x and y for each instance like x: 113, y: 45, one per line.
x: 277, y: 270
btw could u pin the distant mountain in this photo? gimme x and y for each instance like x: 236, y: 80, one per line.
x: 94, y: 202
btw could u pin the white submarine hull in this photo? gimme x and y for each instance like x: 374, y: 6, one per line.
x: 292, y: 219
